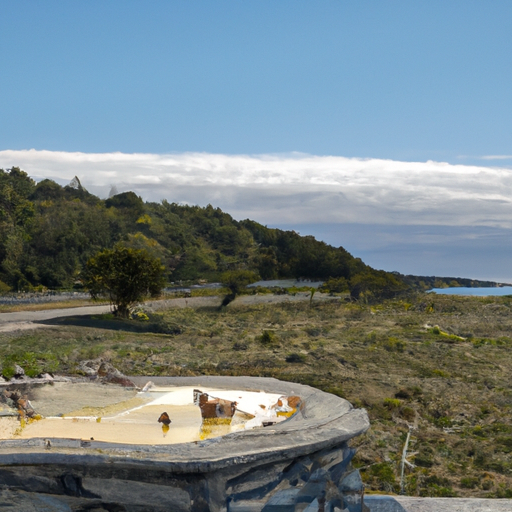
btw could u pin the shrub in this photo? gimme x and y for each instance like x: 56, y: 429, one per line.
x: 408, y: 413
x: 268, y: 338
x: 469, y: 482
x: 394, y: 345
x: 4, y: 288
x: 392, y: 403
x: 296, y: 358
x: 383, y: 472
x: 28, y: 361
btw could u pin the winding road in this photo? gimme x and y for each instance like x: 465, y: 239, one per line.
x: 23, y: 320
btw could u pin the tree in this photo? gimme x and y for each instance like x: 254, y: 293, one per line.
x: 375, y: 285
x: 125, y: 276
x: 236, y: 281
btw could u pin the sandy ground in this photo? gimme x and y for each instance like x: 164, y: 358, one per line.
x: 138, y: 426
x: 87, y: 410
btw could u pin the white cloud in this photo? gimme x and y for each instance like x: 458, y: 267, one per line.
x: 496, y: 157
x: 292, y: 188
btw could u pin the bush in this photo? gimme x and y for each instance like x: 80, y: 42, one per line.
x: 392, y: 403
x: 28, y: 361
x: 296, y: 358
x: 4, y: 288
x: 469, y: 482
x: 268, y: 338
x: 384, y: 473
x: 334, y: 285
x: 394, y: 345
x: 408, y: 413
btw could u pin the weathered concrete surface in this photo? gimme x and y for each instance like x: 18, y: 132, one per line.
x: 195, y: 477
x: 408, y: 504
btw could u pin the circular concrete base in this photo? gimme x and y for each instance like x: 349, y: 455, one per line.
x: 202, y: 475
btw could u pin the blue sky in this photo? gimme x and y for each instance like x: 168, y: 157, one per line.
x: 222, y: 84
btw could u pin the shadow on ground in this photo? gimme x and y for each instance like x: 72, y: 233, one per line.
x: 155, y: 325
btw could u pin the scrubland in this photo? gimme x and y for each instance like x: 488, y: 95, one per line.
x: 441, y: 365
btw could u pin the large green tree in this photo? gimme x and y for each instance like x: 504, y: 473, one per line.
x: 124, y: 276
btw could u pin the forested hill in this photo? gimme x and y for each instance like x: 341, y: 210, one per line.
x: 48, y: 232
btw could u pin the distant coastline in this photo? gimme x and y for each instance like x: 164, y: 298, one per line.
x: 487, y: 291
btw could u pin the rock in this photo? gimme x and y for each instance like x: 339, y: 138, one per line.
x: 90, y: 367
x: 352, y: 482
x: 106, y: 369
x: 164, y: 418
x: 314, y: 487
x: 20, y: 403
x: 26, y: 407
x: 338, y: 470
x: 282, y: 501
x: 6, y: 410
x: 19, y: 372
x: 119, y: 379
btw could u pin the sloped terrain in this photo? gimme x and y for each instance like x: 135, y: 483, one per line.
x: 440, y: 364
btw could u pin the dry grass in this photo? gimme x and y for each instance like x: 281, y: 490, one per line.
x: 442, y: 364
x: 43, y: 306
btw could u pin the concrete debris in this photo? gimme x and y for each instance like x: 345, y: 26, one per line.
x: 164, y: 418
x: 20, y: 403
x: 214, y: 407
x: 148, y: 386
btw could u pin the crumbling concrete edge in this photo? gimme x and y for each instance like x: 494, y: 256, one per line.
x: 312, y: 429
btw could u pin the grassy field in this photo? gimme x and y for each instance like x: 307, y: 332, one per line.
x: 440, y: 364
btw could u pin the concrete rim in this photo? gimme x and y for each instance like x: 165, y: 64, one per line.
x: 325, y: 421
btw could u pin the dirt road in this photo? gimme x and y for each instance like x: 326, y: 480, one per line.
x: 23, y: 320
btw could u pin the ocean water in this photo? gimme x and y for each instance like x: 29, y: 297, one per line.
x: 478, y: 292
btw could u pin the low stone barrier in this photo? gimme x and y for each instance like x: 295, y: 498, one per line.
x: 302, y: 463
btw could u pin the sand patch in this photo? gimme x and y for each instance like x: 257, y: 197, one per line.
x: 109, y: 410
x: 139, y: 426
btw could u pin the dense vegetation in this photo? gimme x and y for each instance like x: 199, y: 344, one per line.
x: 429, y: 282
x: 48, y: 232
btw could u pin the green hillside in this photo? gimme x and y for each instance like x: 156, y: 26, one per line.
x: 48, y: 232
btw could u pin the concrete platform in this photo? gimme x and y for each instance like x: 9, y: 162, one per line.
x: 201, y: 476
x: 16, y: 501
x: 378, y: 503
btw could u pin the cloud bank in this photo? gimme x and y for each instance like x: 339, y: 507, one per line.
x: 292, y: 188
